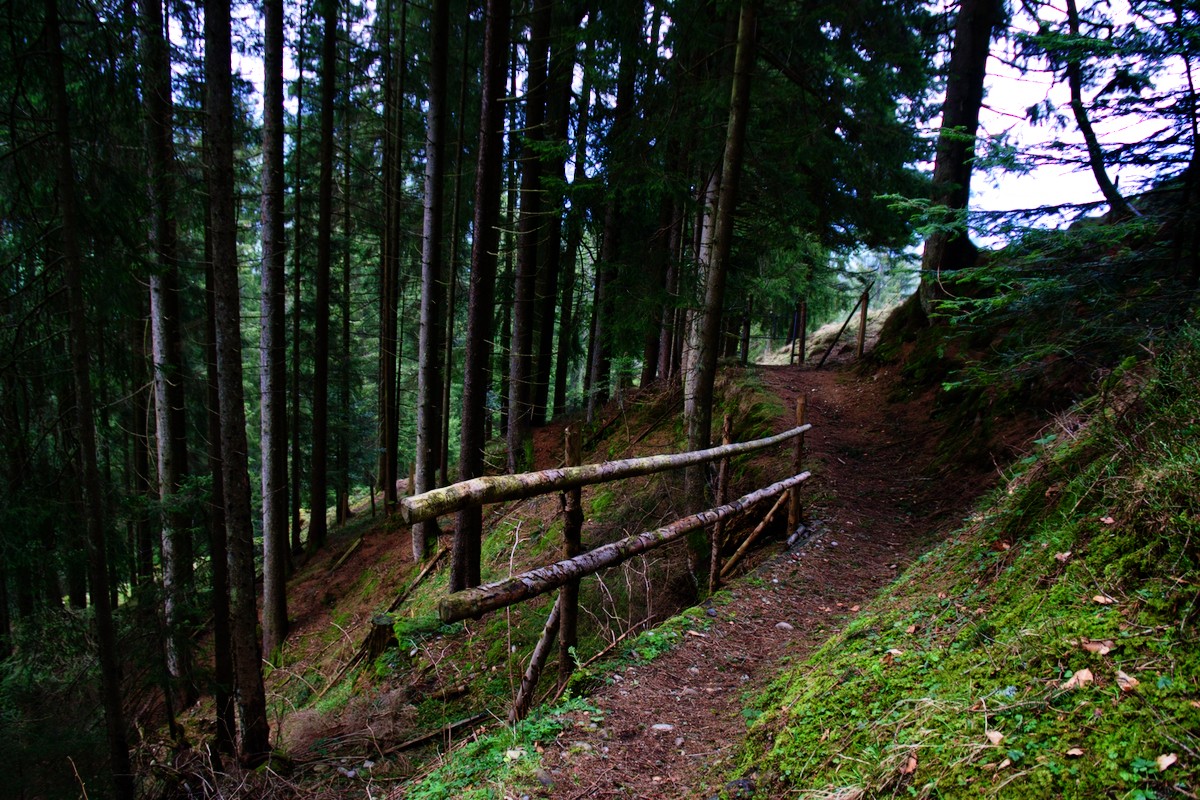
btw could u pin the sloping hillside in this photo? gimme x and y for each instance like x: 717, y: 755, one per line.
x: 1047, y: 650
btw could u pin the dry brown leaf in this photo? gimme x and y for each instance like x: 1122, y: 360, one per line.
x: 893, y: 651
x: 825, y: 735
x: 1074, y: 752
x: 1108, y: 520
x: 1081, y: 678
x: 941, y: 595
x: 995, y: 737
x: 1166, y: 760
x: 1062, y: 556
x: 854, y: 608
x: 1006, y: 762
x: 910, y: 766
x: 1099, y: 647
x: 1127, y: 682
x: 1103, y: 600
x: 1194, y: 703
x: 911, y: 629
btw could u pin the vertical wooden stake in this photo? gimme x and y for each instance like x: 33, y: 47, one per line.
x: 862, y: 323
x: 537, y: 661
x: 795, y: 331
x: 803, y: 329
x: 718, y: 535
x: 568, y: 601
x: 797, y: 462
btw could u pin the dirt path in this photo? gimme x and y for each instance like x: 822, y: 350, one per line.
x: 670, y: 725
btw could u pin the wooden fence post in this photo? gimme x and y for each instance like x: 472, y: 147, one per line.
x: 568, y: 601
x: 718, y: 534
x: 803, y: 329
x: 797, y: 460
x: 862, y: 322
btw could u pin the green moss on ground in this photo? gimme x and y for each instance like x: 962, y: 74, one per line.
x: 1048, y: 650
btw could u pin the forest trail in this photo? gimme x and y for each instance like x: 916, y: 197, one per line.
x: 872, y: 506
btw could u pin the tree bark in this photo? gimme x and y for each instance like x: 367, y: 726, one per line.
x: 272, y: 341
x: 254, y: 734
x: 167, y: 352
x: 319, y: 469
x: 84, y: 419
x: 951, y: 248
x: 531, y: 227
x: 389, y: 290
x: 698, y: 402
x: 1119, y: 205
x: 433, y: 280
x: 476, y: 361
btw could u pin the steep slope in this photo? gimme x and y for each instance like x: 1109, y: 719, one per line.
x: 1047, y: 650
x: 663, y: 716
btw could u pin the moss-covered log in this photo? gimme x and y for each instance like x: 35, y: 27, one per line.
x: 498, y: 488
x: 480, y: 600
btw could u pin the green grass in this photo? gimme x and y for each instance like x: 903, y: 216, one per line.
x: 956, y: 682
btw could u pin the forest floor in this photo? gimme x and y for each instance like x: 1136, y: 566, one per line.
x: 875, y: 502
x: 878, y: 499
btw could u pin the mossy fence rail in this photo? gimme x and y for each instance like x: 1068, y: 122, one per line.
x: 566, y: 573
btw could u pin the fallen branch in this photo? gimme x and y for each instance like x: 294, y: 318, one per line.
x: 497, y: 488
x: 727, y: 570
x: 445, y: 730
x: 480, y: 600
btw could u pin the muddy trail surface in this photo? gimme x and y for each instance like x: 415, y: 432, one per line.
x: 670, y: 727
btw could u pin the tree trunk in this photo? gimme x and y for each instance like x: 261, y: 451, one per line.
x: 476, y: 362
x: 433, y: 280
x: 530, y: 228
x: 698, y: 402
x: 567, y: 320
x: 272, y: 341
x: 253, y: 744
x: 951, y: 247
x: 218, y: 542
x: 297, y: 272
x: 389, y: 290
x: 167, y: 350
x: 1119, y: 205
x: 319, y: 469
x: 85, y: 424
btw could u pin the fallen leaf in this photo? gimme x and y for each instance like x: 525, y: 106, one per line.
x: 1127, y: 682
x: 1108, y: 520
x: 941, y: 595
x: 893, y: 651
x: 1103, y: 600
x: 911, y: 629
x: 911, y: 766
x: 697, y: 633
x: 1081, y: 678
x: 1006, y: 762
x: 1166, y: 760
x: 1074, y: 752
x: 995, y: 737
x: 1062, y: 556
x: 1100, y: 648
x: 854, y: 608
x: 1194, y: 703
x: 825, y: 735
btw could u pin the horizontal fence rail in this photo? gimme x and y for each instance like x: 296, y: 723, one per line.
x: 498, y: 488
x: 521, y: 587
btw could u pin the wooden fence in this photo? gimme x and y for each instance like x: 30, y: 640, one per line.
x: 566, y: 573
